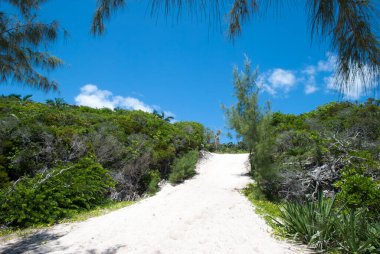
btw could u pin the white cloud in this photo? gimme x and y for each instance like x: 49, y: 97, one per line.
x: 349, y: 93
x: 354, y: 89
x: 261, y: 83
x: 169, y: 113
x: 310, y: 70
x: 313, y: 77
x: 280, y: 78
x: 328, y: 65
x: 132, y: 103
x: 309, y: 89
x: 277, y: 81
x: 309, y: 78
x: 92, y: 96
x: 269, y: 89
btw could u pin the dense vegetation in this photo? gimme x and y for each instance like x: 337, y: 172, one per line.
x: 328, y: 161
x: 56, y: 159
x: 323, y: 166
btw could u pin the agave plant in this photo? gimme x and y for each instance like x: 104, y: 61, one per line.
x: 310, y: 222
x: 355, y: 234
x: 323, y: 226
x: 375, y: 235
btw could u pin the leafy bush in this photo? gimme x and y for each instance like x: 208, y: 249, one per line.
x: 4, y: 179
x: 358, y: 190
x: 128, y: 143
x: 295, y: 156
x: 184, y: 167
x: 151, y: 181
x: 50, y: 196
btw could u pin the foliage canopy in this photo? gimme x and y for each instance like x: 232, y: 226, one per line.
x: 100, y: 153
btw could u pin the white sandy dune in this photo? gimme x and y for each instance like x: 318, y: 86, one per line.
x: 206, y: 214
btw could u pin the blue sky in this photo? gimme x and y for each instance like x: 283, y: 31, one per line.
x: 185, y: 68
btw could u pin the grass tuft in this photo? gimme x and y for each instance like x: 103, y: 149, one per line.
x: 268, y: 210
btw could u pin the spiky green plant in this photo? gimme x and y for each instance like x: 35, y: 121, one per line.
x: 310, y: 222
x: 325, y: 227
x: 375, y: 235
x: 354, y: 233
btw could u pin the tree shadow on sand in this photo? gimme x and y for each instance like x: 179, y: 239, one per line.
x: 35, y: 242
x: 30, y: 243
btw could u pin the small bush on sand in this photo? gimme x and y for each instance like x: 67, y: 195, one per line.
x: 184, y: 167
x: 151, y: 181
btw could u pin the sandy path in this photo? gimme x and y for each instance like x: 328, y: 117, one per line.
x: 204, y: 215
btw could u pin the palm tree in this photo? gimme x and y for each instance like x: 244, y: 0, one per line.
x: 57, y: 102
x: 349, y: 24
x: 50, y: 102
x: 26, y: 99
x: 162, y: 116
x: 15, y: 96
x: 169, y: 119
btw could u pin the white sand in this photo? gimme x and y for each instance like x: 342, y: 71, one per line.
x: 206, y: 214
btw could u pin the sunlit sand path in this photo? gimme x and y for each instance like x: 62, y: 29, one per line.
x: 206, y: 214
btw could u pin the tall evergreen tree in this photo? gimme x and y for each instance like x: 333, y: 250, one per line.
x: 252, y: 124
x: 245, y: 115
x: 23, y: 45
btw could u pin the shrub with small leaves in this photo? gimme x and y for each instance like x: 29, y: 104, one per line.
x: 184, y: 167
x: 357, y: 190
x: 50, y: 196
x: 151, y: 181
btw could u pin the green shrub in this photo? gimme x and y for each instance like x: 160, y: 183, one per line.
x: 358, y: 190
x: 151, y: 181
x: 126, y: 142
x: 184, y: 167
x: 50, y: 196
x: 4, y: 179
